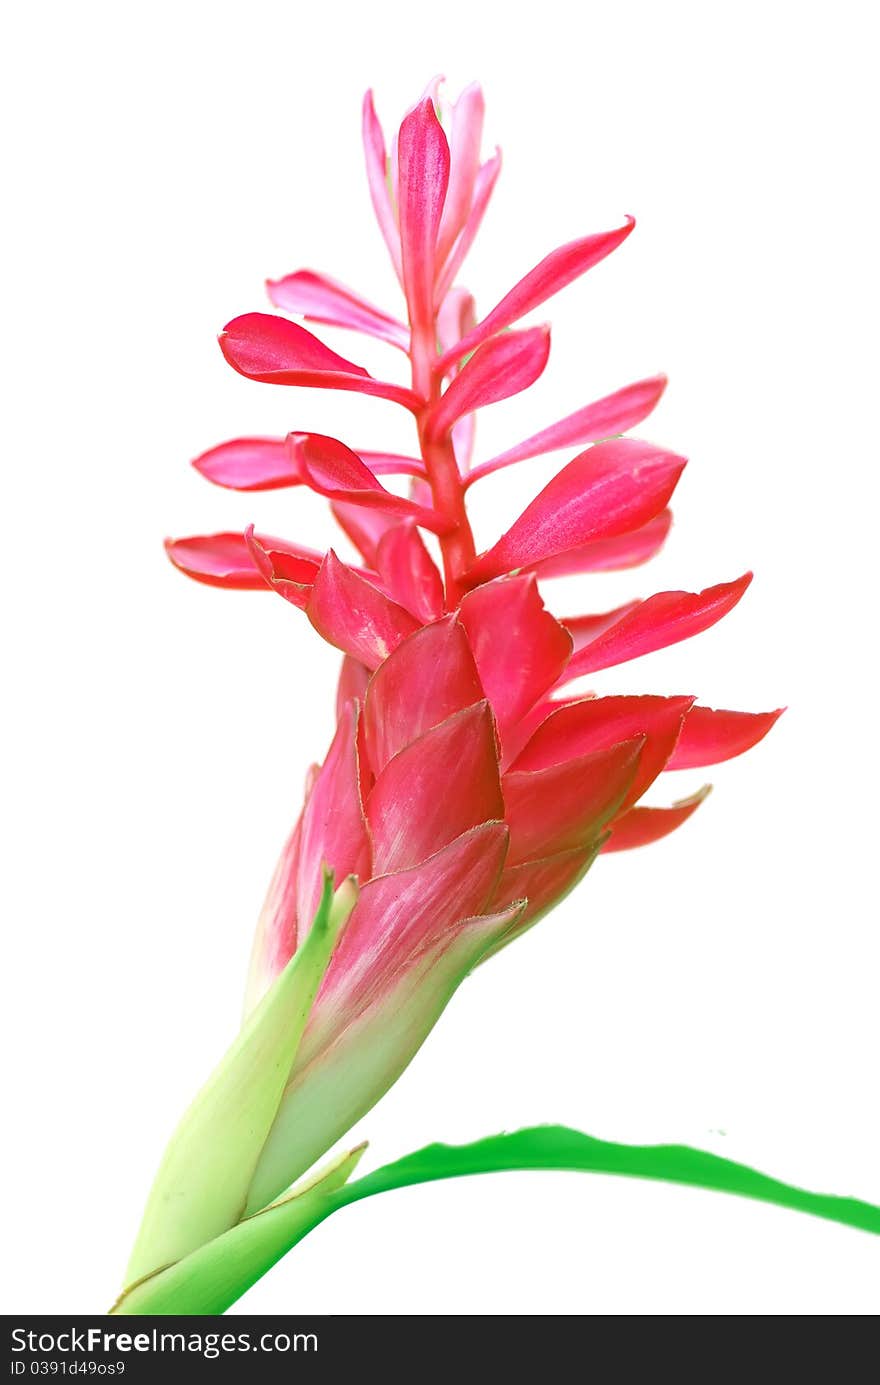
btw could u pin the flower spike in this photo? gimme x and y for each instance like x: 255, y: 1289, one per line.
x: 463, y: 795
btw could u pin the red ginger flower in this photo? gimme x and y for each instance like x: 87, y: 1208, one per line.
x: 463, y: 789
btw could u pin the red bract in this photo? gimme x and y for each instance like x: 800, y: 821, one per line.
x: 461, y: 789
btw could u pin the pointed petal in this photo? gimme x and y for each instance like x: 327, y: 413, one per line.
x: 377, y: 178
x: 327, y: 466
x: 519, y: 648
x: 288, y: 575
x: 423, y: 176
x: 292, y: 577
x: 465, y: 138
x: 354, y: 615
x: 519, y: 735
x: 262, y: 464
x: 403, y: 913
x: 610, y: 555
x: 709, y: 736
x: 428, y: 678
x: 553, y: 273
x: 318, y: 298
x: 544, y: 883
x: 248, y: 464
x: 334, y: 831
x: 484, y: 186
x: 504, y: 366
x: 431, y: 93
x: 641, y: 826
x: 597, y: 723
x: 566, y: 806
x: 662, y: 620
x: 225, y: 560
x: 263, y: 347
x: 610, y: 489
x: 606, y: 418
x: 435, y: 789
x: 409, y: 572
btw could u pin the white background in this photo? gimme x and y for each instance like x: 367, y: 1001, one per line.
x: 718, y: 988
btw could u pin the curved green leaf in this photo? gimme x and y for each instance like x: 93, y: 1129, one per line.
x: 558, y: 1147
x: 216, y: 1275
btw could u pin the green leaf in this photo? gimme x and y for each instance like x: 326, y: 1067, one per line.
x: 215, y: 1276
x: 202, y: 1185
x: 558, y: 1147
